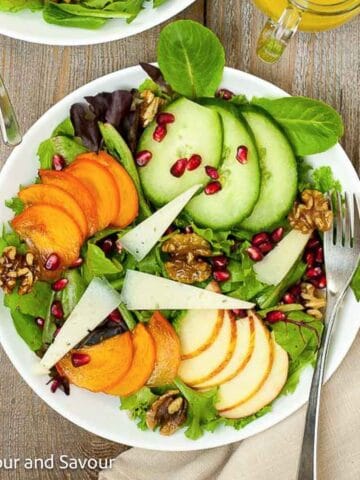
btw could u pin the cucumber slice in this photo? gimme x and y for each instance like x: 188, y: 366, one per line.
x: 278, y: 171
x: 196, y: 130
x: 240, y: 182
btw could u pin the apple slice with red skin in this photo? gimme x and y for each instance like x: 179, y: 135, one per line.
x: 167, y: 346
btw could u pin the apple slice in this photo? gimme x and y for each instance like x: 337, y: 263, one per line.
x: 167, y: 347
x: 200, y: 328
x: 252, y: 377
x: 270, y: 389
x: 275, y: 266
x: 209, y: 363
x: 243, y: 350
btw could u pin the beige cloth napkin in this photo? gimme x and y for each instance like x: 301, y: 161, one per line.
x: 273, y: 454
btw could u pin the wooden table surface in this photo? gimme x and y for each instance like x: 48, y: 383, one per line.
x: 324, y: 66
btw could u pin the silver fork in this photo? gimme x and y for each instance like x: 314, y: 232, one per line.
x: 8, y: 124
x: 342, y: 253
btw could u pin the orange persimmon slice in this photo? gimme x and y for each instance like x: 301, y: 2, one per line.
x: 129, y: 199
x: 109, y: 362
x: 102, y: 186
x: 75, y: 188
x: 168, y: 353
x: 52, y: 195
x: 49, y: 230
x: 142, y: 365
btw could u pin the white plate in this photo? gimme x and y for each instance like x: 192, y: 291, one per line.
x: 31, y: 27
x: 100, y: 413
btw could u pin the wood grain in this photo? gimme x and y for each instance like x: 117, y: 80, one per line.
x: 324, y: 66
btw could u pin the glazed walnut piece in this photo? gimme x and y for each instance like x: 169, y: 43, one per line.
x: 17, y: 268
x: 168, y: 413
x: 149, y: 107
x: 186, y: 263
x: 315, y: 301
x: 313, y: 212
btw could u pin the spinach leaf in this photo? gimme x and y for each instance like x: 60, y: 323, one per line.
x: 191, y: 58
x: 68, y: 148
x: 97, y: 264
x: 55, y: 16
x: 74, y: 290
x: 27, y: 329
x: 36, y: 303
x: 311, y: 125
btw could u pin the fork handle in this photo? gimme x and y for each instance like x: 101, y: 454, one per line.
x: 9, y: 126
x: 307, y: 469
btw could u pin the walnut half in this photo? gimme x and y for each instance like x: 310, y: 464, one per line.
x: 315, y: 301
x: 169, y: 413
x: 186, y: 263
x: 313, y: 212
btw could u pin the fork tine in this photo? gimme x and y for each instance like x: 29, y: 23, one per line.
x: 348, y: 233
x: 356, y: 229
x: 339, y: 220
x: 329, y: 235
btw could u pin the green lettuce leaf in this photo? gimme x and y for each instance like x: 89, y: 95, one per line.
x: 355, y: 284
x: 18, y: 5
x: 97, y: 264
x: 36, y: 303
x: 311, y: 125
x: 27, y: 329
x: 68, y: 148
x: 191, y: 58
x: 15, y: 204
x: 138, y: 404
x: 74, y: 290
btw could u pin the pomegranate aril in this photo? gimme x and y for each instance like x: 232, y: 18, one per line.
x: 58, y: 162
x: 164, y: 118
x: 314, y: 272
x: 60, y: 284
x: 107, y: 246
x: 80, y: 359
x: 309, y: 259
x: 242, y: 154
x: 57, y: 331
x: 57, y: 310
x: 260, y: 238
x: 225, y: 94
x: 40, y: 322
x: 255, y: 254
x: 295, y: 291
x: 77, y: 263
x: 52, y: 262
x: 239, y: 313
x: 188, y: 229
x: 211, y: 172
x: 277, y: 234
x: 55, y: 384
x: 179, y: 167
x: 194, y: 162
x: 115, y: 316
x: 221, y: 275
x: 319, y: 257
x: 275, y: 316
x: 320, y: 282
x: 313, y: 243
x: 143, y: 158
x: 159, y: 133
x: 220, y: 261
x: 170, y: 230
x: 265, y: 247
x: 212, y: 188
x: 289, y: 298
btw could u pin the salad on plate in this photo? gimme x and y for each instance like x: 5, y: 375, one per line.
x: 169, y: 252
x: 89, y: 14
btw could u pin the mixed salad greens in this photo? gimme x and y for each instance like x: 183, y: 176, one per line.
x: 90, y: 14
x: 186, y: 191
